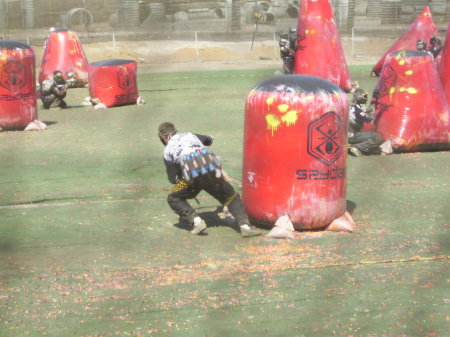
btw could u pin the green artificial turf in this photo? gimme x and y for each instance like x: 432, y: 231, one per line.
x: 89, y: 246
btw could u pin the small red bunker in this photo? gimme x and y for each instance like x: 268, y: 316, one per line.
x: 18, y: 105
x: 113, y: 82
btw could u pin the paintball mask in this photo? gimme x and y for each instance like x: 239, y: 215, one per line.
x: 421, y: 45
x: 360, y: 96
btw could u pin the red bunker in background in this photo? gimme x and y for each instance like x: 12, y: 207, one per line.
x: 295, y: 151
x: 423, y: 28
x: 319, y: 50
x: 113, y: 82
x: 444, y: 66
x: 63, y: 51
x: 410, y: 106
x: 18, y: 105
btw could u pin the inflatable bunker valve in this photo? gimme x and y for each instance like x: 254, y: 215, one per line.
x: 319, y: 50
x: 18, y: 106
x: 63, y: 51
x: 113, y: 82
x: 295, y: 148
x: 423, y: 28
x: 444, y: 66
x: 410, y: 106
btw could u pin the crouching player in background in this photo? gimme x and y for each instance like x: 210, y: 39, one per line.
x: 192, y: 169
x: 362, y: 142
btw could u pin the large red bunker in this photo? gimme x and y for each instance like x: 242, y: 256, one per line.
x: 113, y: 82
x: 18, y: 105
x: 411, y: 109
x: 319, y: 50
x: 295, y: 151
x: 63, y: 51
x: 444, y: 66
x: 423, y: 28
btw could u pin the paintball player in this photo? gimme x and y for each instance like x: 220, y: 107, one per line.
x: 179, y: 150
x: 288, y: 47
x: 435, y: 46
x: 421, y: 45
x: 362, y: 142
x: 54, y: 90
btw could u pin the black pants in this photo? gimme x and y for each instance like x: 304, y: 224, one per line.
x: 367, y: 142
x: 218, y: 188
x: 53, y: 101
x: 288, y: 64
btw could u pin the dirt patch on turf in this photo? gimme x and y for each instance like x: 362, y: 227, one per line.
x: 159, y: 56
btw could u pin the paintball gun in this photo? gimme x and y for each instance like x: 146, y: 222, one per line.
x: 72, y: 80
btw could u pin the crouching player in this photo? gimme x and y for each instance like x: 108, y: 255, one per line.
x: 192, y: 169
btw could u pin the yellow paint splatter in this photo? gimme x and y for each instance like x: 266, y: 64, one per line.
x: 391, y: 92
x: 412, y: 90
x: 290, y: 117
x: 306, y: 31
x: 251, y: 93
x: 283, y: 108
x: 313, y: 31
x: 270, y: 100
x: 409, y: 72
x: 272, y: 122
x: 402, y: 62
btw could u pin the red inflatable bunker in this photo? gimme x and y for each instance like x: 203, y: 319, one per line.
x: 18, y: 105
x: 319, y: 50
x: 444, y: 66
x: 410, y: 104
x: 423, y: 28
x: 63, y: 51
x: 113, y: 82
x: 295, y: 151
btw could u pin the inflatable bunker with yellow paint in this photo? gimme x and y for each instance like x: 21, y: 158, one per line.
x: 319, y: 50
x: 295, y: 152
x: 63, y: 52
x: 423, y: 28
x: 410, y: 106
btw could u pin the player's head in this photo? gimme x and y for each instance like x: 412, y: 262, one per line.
x: 421, y: 45
x: 435, y: 41
x: 58, y: 76
x: 360, y: 96
x: 165, y: 131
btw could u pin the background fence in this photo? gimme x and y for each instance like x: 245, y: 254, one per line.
x: 156, y: 17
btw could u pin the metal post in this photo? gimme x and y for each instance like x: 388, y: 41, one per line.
x: 353, y: 41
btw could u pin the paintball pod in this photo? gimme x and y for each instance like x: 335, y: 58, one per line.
x: 200, y: 162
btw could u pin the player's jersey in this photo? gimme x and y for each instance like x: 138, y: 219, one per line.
x: 180, y: 145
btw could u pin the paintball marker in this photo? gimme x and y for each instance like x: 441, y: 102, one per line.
x: 72, y: 80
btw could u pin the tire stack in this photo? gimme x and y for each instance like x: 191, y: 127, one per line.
x: 157, y: 12
x: 3, y: 16
x: 128, y: 13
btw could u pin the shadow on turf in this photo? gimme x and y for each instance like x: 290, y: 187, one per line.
x: 212, y: 219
